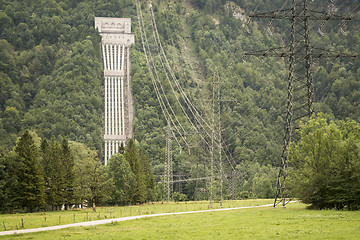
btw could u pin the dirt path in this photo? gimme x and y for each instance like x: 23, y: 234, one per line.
x: 105, y: 221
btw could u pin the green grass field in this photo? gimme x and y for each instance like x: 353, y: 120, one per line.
x: 45, y: 219
x: 293, y: 222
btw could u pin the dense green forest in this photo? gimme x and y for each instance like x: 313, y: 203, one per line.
x: 51, y: 83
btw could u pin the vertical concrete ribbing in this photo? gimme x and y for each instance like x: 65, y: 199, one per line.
x: 119, y: 104
x: 114, y: 56
x: 115, y: 106
x: 122, y: 106
x: 105, y: 115
x: 112, y: 105
x: 109, y: 151
x: 105, y: 152
x: 122, y: 57
x: 111, y: 57
x: 119, y: 57
x: 109, y: 105
x: 107, y: 57
x: 104, y: 56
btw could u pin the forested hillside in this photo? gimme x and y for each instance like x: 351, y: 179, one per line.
x: 51, y: 81
x: 51, y: 72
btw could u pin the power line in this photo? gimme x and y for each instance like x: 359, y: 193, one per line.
x: 187, y: 101
x: 162, y: 104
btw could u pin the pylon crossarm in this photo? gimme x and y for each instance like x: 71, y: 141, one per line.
x: 271, y: 52
x: 276, y: 14
x: 311, y: 15
x: 328, y: 54
x: 314, y: 53
x: 317, y: 15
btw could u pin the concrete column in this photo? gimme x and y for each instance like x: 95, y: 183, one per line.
x: 105, y: 152
x: 109, y: 146
x: 109, y: 105
x: 112, y: 106
x: 104, y: 56
x: 116, y: 105
x: 109, y: 150
x: 128, y: 91
x: 119, y: 57
x: 107, y: 57
x: 115, y: 57
x: 122, y: 106
x: 105, y: 115
x: 111, y: 58
x: 117, y: 147
x: 119, y: 105
x: 122, y: 57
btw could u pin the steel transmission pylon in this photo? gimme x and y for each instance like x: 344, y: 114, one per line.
x: 300, y: 96
x: 168, y: 183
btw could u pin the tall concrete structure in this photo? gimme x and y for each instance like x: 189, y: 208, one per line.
x: 118, y: 108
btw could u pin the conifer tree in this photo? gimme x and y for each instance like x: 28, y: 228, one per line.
x: 121, y: 148
x: 149, y: 176
x: 54, y: 173
x: 4, y: 198
x: 69, y: 174
x: 45, y: 158
x: 132, y: 156
x: 29, y: 190
x: 8, y: 181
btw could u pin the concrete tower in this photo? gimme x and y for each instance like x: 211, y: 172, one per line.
x: 118, y: 108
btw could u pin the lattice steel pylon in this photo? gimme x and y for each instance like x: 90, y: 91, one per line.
x: 169, y: 180
x: 300, y: 97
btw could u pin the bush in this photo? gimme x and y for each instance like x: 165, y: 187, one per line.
x: 179, y: 197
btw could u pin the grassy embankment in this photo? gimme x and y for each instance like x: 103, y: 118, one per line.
x: 293, y: 222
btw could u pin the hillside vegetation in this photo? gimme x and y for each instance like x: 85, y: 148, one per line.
x: 51, y: 81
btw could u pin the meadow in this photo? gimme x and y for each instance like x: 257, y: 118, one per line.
x: 45, y: 219
x: 292, y: 222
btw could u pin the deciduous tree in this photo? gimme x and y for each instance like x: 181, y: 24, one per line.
x: 326, y: 164
x: 124, y: 179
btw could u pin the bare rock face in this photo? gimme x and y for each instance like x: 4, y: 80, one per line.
x: 238, y: 12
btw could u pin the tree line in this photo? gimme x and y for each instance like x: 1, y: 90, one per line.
x: 49, y: 175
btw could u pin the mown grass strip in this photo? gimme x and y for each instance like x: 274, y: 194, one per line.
x: 292, y: 222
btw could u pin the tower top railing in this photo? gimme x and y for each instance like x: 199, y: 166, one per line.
x: 113, y: 25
